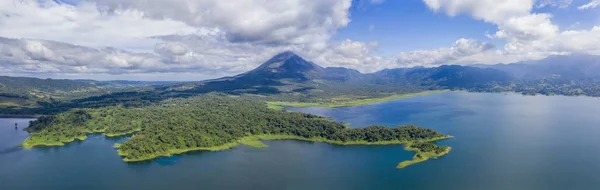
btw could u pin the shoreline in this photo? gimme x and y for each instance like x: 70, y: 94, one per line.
x: 28, y: 145
x: 420, y: 156
x: 252, y: 142
x: 20, y: 116
x: 279, y: 105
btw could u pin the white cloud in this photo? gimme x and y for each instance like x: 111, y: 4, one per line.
x: 131, y: 24
x: 201, y: 39
x: 137, y: 37
x: 592, y: 4
x: 264, y: 21
x: 83, y: 24
x: 23, y: 56
x: 122, y: 23
x: 488, y: 10
x: 461, y: 49
x: 352, y: 54
x: 528, y: 35
x: 554, y: 3
x: 207, y: 57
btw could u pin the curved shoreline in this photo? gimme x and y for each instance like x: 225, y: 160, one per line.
x: 249, y: 140
x: 27, y: 144
x: 421, y: 156
x: 280, y: 105
x: 254, y: 141
x: 5, y: 116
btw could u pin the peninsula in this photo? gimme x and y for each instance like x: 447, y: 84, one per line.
x: 214, y: 123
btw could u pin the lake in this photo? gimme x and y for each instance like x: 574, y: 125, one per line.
x: 501, y: 141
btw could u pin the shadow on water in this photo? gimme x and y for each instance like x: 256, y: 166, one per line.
x: 10, y: 150
x: 46, y: 149
x: 162, y: 161
x: 149, y: 164
x: 172, y: 160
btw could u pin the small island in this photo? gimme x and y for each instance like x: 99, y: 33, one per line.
x: 215, y: 123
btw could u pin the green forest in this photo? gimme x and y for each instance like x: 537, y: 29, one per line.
x: 210, y: 122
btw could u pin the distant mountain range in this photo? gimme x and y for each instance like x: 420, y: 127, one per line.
x: 289, y: 77
x: 287, y: 72
x: 577, y: 66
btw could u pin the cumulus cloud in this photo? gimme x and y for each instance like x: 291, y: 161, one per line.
x: 488, y: 10
x: 592, y: 4
x: 42, y: 56
x: 461, y: 49
x: 205, y: 57
x: 554, y: 3
x: 136, y: 37
x: 125, y: 22
x: 353, y: 54
x: 130, y: 24
x: 83, y: 24
x: 525, y: 32
x: 201, y: 39
x: 359, y: 55
x: 272, y: 21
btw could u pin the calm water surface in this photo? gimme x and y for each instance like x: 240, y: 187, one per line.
x: 501, y: 142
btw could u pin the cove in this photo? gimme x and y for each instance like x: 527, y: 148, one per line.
x: 501, y: 141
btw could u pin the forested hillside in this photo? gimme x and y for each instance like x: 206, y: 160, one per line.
x: 289, y: 78
x: 208, y: 122
x: 48, y: 89
x: 31, y: 93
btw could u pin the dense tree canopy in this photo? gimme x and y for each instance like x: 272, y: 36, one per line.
x: 206, y: 121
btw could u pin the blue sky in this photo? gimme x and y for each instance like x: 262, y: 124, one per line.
x: 408, y: 25
x: 202, y: 39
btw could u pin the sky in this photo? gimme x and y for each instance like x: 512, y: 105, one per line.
x: 186, y: 40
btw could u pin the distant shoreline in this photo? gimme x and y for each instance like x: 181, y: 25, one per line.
x: 358, y: 102
x: 20, y: 116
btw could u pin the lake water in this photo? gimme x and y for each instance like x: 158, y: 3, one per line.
x: 502, y: 141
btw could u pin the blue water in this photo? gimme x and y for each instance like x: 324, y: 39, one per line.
x: 502, y: 141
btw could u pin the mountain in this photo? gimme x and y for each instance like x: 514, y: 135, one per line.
x: 286, y: 65
x: 289, y: 77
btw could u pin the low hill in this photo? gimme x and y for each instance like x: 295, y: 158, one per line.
x: 30, y: 92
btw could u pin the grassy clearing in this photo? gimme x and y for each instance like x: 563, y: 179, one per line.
x: 280, y: 105
x: 117, y: 145
x: 31, y: 142
x: 253, y: 142
x: 17, y: 102
x: 122, y: 134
